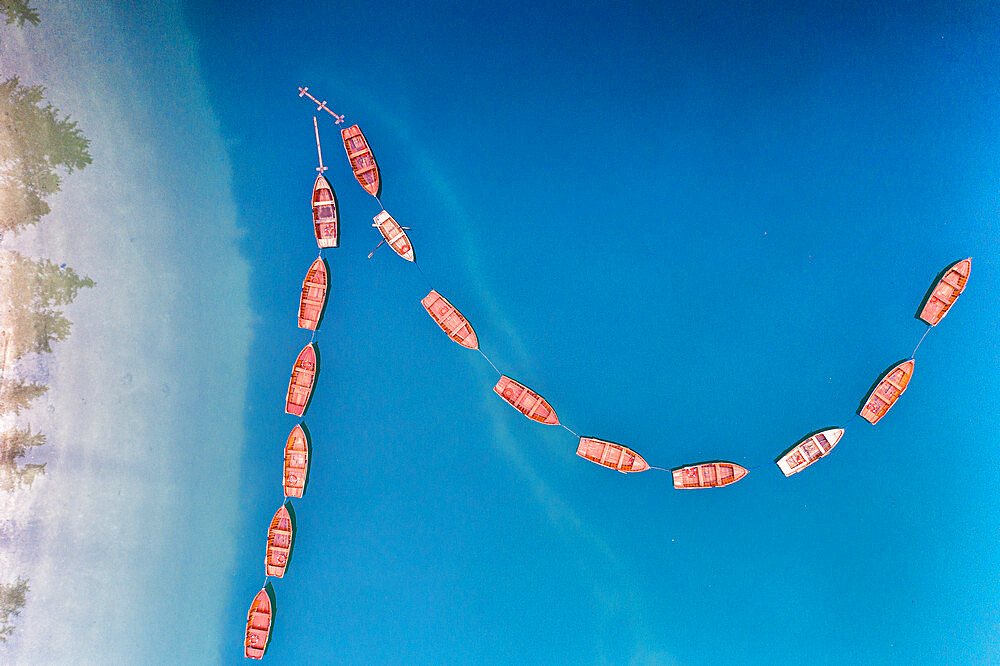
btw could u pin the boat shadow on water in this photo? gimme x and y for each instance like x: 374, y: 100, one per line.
x: 378, y: 169
x: 930, y: 291
x: 274, y: 614
x: 309, y: 454
x: 291, y: 547
x: 319, y: 367
x: 326, y: 301
x: 878, y: 380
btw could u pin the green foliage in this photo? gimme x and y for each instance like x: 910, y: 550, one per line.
x: 17, y: 443
x: 26, y: 475
x: 20, y: 477
x: 13, y: 596
x: 34, y: 332
x: 34, y: 144
x: 18, y: 11
x: 48, y: 326
x: 16, y: 394
x: 14, y: 445
x: 34, y: 291
x: 40, y: 284
x: 19, y: 206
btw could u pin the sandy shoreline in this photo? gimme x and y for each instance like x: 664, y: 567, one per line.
x: 144, y: 412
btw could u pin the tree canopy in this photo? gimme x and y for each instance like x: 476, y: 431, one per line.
x: 18, y: 11
x: 17, y: 394
x: 33, y: 291
x: 13, y: 596
x: 40, y: 284
x: 14, y: 445
x: 35, y: 143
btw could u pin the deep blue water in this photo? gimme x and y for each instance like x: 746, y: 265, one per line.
x: 702, y: 233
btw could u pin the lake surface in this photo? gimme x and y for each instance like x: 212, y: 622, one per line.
x: 702, y: 234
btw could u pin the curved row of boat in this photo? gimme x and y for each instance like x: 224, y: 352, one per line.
x: 305, y: 370
x: 712, y: 474
x: 312, y: 304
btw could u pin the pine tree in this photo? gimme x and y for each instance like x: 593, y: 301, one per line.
x: 16, y: 394
x: 40, y: 284
x: 13, y: 596
x: 18, y: 11
x: 20, y: 477
x: 48, y: 326
x: 14, y: 445
x: 33, y: 332
x: 34, y: 144
x: 17, y: 443
x: 34, y: 289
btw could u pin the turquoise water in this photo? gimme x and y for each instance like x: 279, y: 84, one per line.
x: 702, y: 234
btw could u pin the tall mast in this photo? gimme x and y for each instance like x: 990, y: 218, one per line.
x: 321, y: 106
x: 319, y: 151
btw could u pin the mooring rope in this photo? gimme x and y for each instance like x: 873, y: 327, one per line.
x: 921, y: 341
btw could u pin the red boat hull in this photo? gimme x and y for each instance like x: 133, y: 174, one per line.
x: 362, y: 160
x: 325, y: 223
x: 300, y: 386
x: 279, y: 543
x: 450, y: 320
x: 258, y: 626
x: 888, y: 390
x: 315, y: 288
x: 296, y: 466
x: 526, y: 401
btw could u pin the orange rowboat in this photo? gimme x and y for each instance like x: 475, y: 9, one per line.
x: 892, y: 385
x: 708, y: 475
x: 324, y: 205
x: 313, y: 298
x: 362, y: 160
x: 300, y: 386
x: 296, y: 463
x: 394, y: 235
x: 258, y: 626
x: 526, y: 401
x: 450, y: 320
x: 613, y: 456
x: 944, y: 294
x: 279, y: 543
x: 809, y: 450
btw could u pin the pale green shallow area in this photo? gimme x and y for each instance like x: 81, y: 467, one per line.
x: 144, y: 416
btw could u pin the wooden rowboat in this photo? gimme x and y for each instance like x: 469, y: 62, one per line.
x: 808, y: 450
x: 885, y: 394
x: 708, y: 475
x: 279, y: 543
x: 450, y: 320
x: 300, y: 386
x: 394, y: 235
x: 313, y: 298
x: 258, y: 626
x: 324, y: 205
x: 362, y: 160
x: 947, y: 290
x: 611, y: 455
x: 296, y: 463
x: 526, y: 401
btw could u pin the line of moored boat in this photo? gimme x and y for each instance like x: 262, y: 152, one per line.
x: 312, y: 304
x: 716, y: 473
x: 305, y: 370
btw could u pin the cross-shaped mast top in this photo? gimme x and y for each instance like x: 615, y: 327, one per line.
x: 321, y: 105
